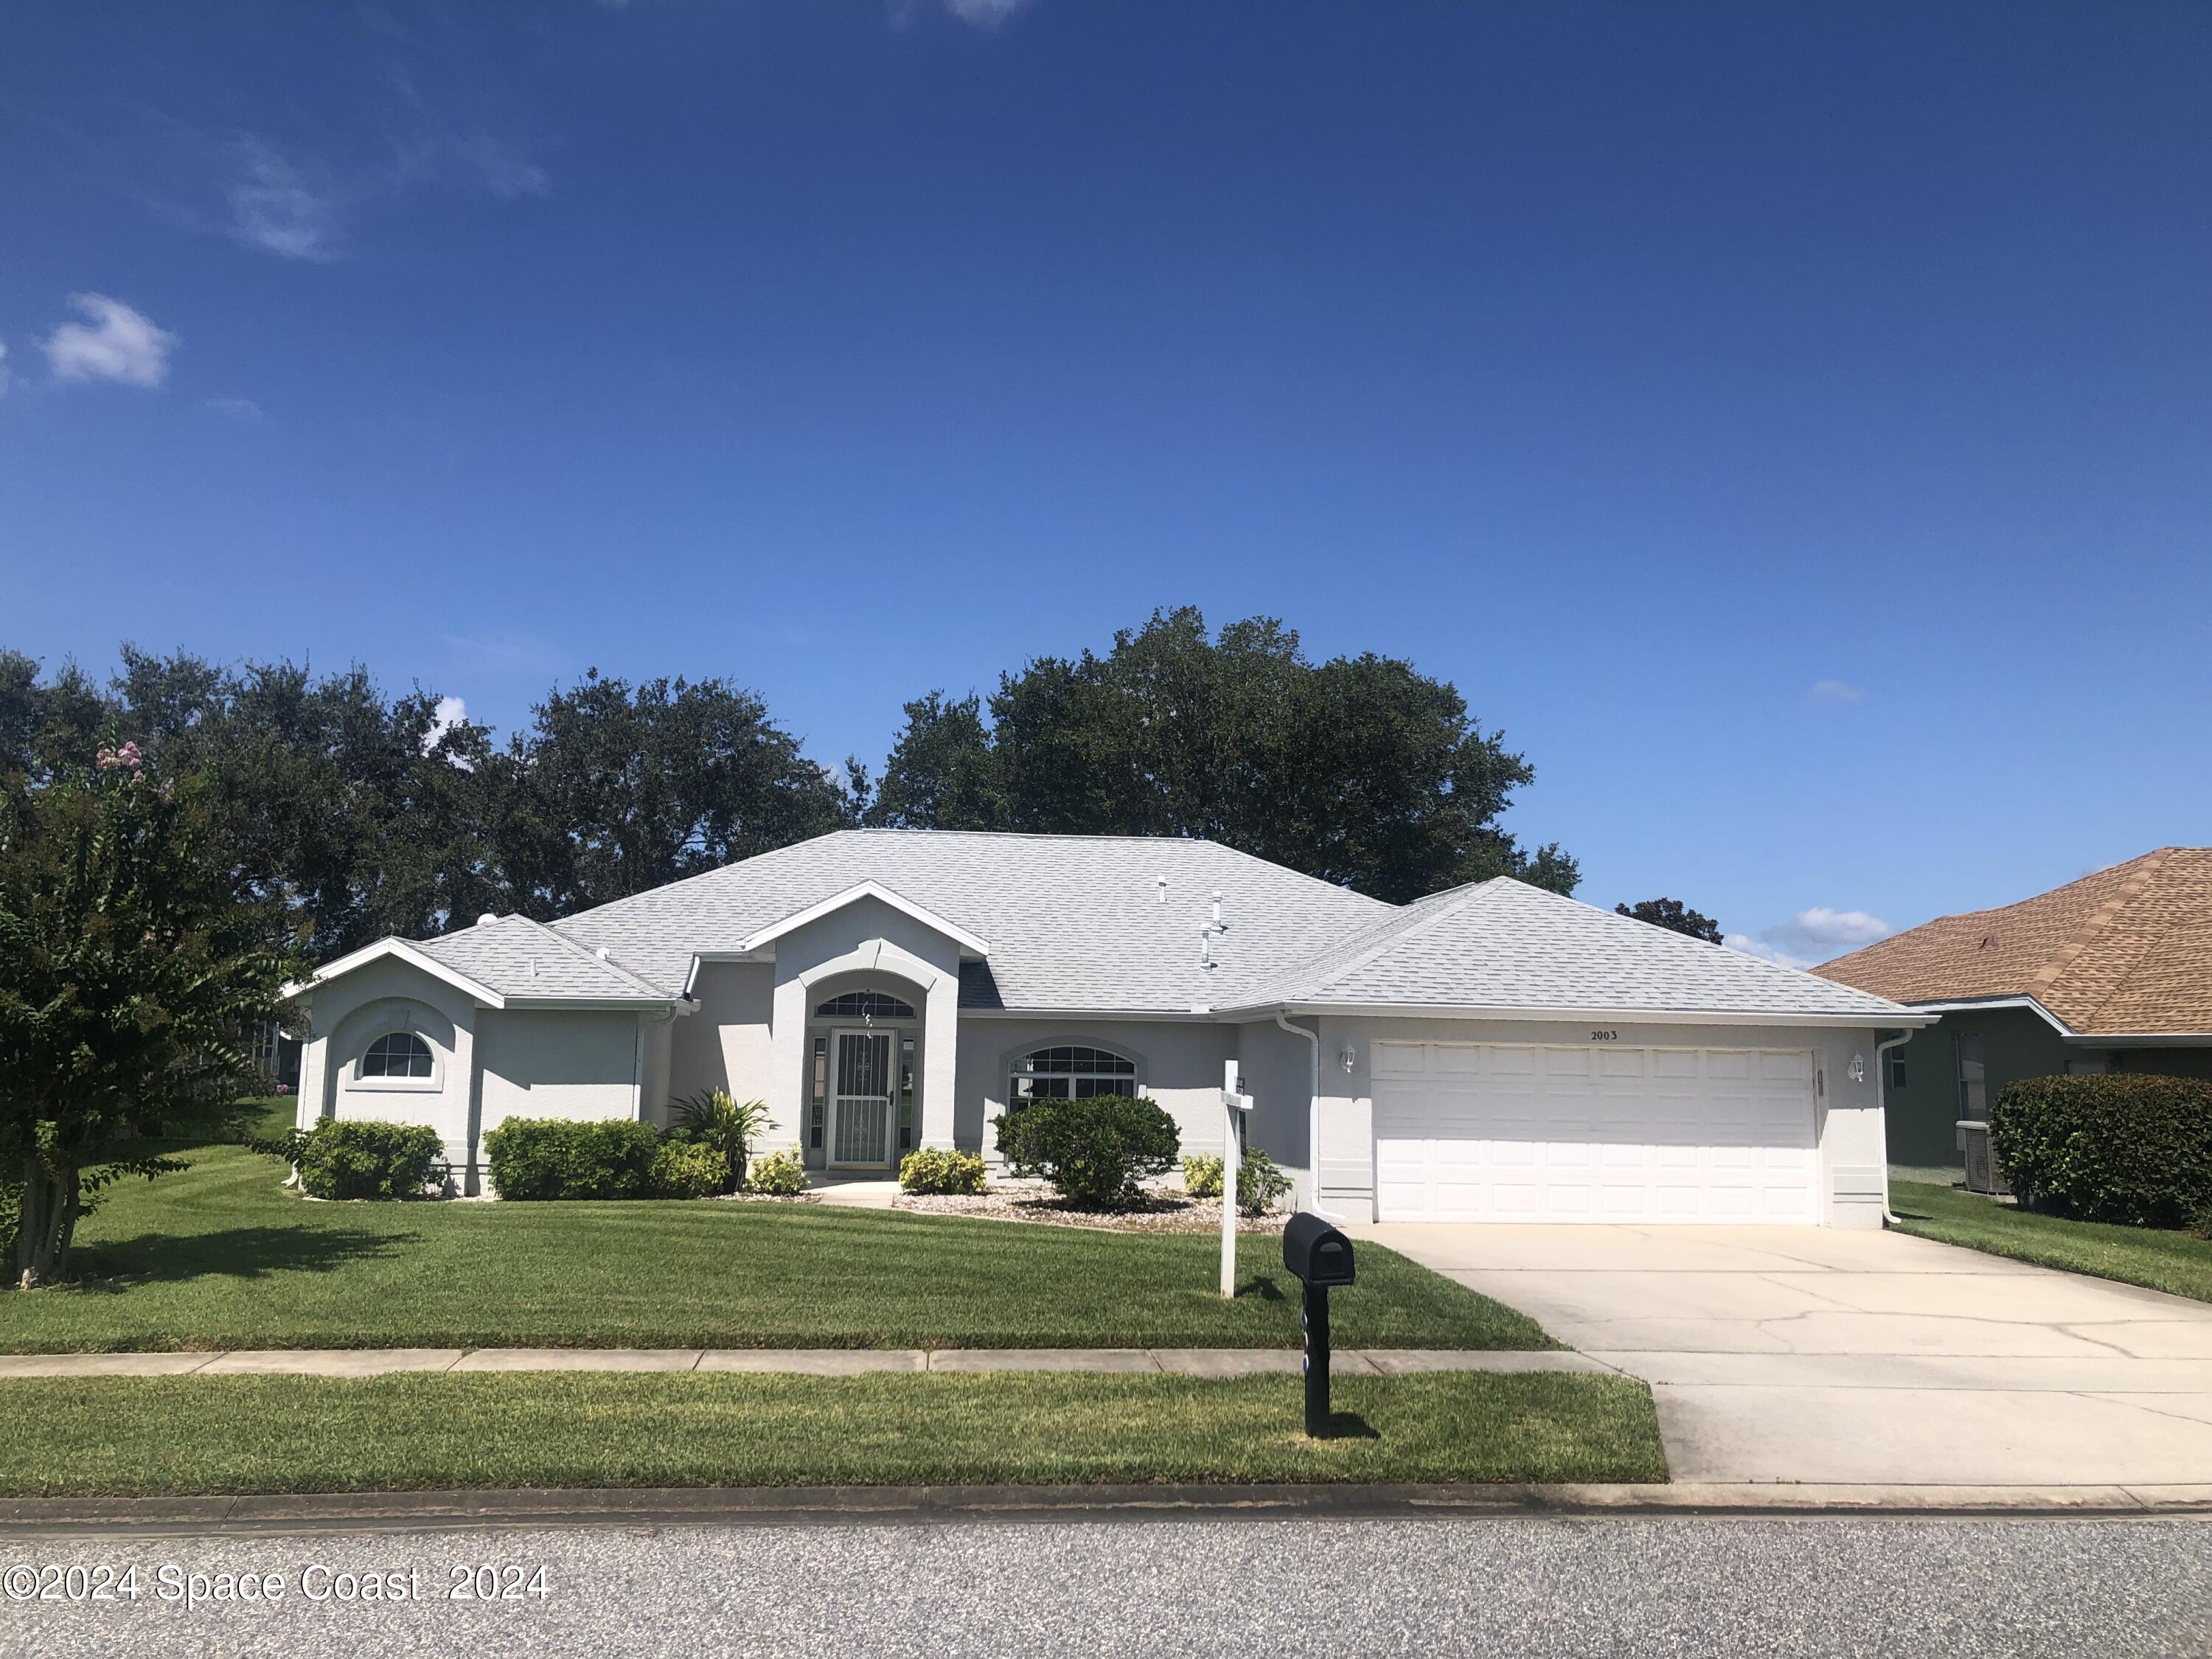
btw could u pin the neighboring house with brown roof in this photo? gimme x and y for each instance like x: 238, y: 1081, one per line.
x: 2111, y: 973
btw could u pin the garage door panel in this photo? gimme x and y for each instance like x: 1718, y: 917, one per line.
x: 1512, y: 1131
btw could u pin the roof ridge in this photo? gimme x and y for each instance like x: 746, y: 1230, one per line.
x: 1411, y: 927
x: 598, y: 956
x: 2099, y: 920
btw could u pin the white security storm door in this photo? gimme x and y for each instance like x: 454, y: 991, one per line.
x: 1522, y: 1131
x: 860, y: 1101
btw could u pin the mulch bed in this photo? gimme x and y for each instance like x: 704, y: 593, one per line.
x: 1158, y: 1212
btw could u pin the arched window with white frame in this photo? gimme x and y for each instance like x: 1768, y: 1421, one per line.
x: 398, y: 1054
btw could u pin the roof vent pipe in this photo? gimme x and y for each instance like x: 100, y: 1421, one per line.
x: 1217, y: 925
x: 486, y: 919
x: 1205, y: 947
x: 1163, y: 883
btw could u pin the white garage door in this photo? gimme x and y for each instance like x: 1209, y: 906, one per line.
x: 1510, y: 1132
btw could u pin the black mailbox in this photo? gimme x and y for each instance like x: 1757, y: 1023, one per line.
x: 1321, y: 1256
x: 1316, y: 1252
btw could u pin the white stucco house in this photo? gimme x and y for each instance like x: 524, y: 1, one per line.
x: 1494, y: 1052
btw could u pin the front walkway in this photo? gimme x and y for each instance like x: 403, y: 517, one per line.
x: 810, y: 1362
x: 1813, y: 1355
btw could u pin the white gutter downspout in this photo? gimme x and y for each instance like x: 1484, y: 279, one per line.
x: 1313, y: 1106
x: 1881, y: 1114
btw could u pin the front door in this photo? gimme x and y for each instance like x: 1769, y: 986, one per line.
x: 860, y: 1100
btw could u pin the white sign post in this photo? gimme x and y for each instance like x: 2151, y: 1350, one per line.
x: 1234, y: 1104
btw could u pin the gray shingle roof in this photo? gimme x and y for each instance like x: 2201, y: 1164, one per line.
x: 1505, y: 945
x: 1074, y: 922
x: 518, y: 957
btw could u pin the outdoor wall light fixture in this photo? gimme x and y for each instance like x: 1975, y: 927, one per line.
x: 1349, y: 1054
x: 1857, y: 1070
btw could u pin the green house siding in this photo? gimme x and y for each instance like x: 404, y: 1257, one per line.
x: 1923, y: 1115
x: 2165, y: 1062
x: 2016, y: 1043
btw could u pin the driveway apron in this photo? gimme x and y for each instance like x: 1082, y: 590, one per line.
x: 1816, y: 1355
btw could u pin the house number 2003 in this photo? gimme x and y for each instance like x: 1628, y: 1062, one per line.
x: 1604, y: 1036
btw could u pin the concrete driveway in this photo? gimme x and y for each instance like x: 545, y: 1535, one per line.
x: 1804, y: 1355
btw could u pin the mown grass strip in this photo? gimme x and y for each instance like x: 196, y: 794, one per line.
x: 283, y: 1434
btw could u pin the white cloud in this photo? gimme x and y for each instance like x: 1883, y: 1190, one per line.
x: 272, y: 208
x: 3, y: 369
x: 984, y: 14
x: 1765, y: 952
x: 451, y: 712
x: 1815, y: 934
x: 117, y: 344
x: 494, y: 165
x: 1838, y: 691
x: 234, y: 409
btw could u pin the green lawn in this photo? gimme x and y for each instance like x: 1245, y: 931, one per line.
x: 188, y: 1434
x: 221, y: 1256
x: 2174, y: 1262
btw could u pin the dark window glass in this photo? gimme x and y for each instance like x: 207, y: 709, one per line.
x: 1070, y: 1073
x: 397, y: 1053
x: 865, y: 1005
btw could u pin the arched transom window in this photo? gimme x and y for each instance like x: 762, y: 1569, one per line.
x: 1070, y: 1073
x: 397, y: 1053
x: 865, y: 1005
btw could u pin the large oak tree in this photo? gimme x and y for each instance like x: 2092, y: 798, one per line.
x: 1360, y: 770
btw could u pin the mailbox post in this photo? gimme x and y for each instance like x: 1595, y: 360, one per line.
x: 1319, y: 1257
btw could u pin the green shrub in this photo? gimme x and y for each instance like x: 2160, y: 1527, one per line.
x: 713, y: 1118
x: 2127, y: 1147
x: 1093, y: 1150
x: 343, y: 1158
x: 1202, y: 1176
x: 938, y: 1170
x: 689, y: 1169
x: 1260, y: 1184
x: 780, y: 1174
x: 11, y: 1220
x: 537, y: 1158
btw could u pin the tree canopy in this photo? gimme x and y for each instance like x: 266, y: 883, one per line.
x: 1359, y: 770
x: 364, y: 813
x: 134, y: 964
x: 1674, y: 917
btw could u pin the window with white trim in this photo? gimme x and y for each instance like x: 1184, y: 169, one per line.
x: 1069, y: 1071
x: 397, y: 1053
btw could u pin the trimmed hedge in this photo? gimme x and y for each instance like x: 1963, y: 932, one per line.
x: 534, y: 1159
x: 2128, y: 1147
x: 935, y: 1170
x: 347, y: 1157
x: 1094, y: 1151
x: 689, y: 1169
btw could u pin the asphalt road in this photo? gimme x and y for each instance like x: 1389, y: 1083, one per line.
x: 1524, y: 1587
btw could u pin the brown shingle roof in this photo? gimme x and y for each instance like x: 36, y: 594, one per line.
x: 2128, y: 950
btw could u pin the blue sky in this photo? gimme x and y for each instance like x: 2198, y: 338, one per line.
x: 1790, y: 423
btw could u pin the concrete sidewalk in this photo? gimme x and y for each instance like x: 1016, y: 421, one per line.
x: 802, y: 1362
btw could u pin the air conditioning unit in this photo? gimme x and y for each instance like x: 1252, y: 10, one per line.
x: 1983, y: 1173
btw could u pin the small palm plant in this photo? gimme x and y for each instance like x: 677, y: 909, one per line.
x: 730, y: 1127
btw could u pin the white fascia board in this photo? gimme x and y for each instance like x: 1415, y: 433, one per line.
x: 1186, y: 1015
x: 414, y: 958
x: 612, y: 1005
x: 1902, y: 1019
x: 967, y: 941
x: 701, y: 958
x: 1976, y: 1004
